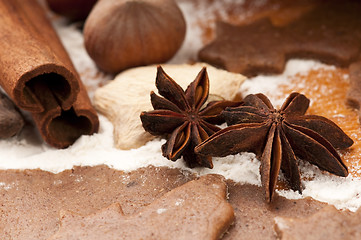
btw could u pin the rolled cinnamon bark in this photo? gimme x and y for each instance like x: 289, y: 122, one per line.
x: 37, y: 73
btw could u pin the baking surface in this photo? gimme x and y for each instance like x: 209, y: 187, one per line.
x: 33, y: 199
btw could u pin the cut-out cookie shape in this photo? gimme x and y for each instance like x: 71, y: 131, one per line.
x: 331, y: 32
x: 123, y: 99
x: 329, y: 223
x: 195, y: 210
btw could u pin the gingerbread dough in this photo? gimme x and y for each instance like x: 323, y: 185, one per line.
x: 329, y: 223
x: 195, y: 210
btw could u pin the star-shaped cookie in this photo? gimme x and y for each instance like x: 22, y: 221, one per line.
x: 330, y: 32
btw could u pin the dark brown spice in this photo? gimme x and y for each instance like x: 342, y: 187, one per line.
x: 179, y: 115
x: 279, y: 137
x: 11, y: 120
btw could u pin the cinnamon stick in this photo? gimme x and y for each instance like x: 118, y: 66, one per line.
x: 38, y: 75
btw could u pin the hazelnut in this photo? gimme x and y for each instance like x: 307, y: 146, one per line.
x: 120, y: 34
x: 75, y: 10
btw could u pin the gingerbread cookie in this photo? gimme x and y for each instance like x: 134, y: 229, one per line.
x: 330, y: 32
x: 196, y: 210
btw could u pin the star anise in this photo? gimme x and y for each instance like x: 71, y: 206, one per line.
x: 279, y: 137
x: 180, y: 116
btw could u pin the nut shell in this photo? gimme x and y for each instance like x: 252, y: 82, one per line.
x: 75, y: 10
x: 120, y: 34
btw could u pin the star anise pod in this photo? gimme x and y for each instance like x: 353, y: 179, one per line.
x: 180, y: 117
x: 279, y: 137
